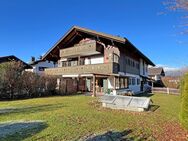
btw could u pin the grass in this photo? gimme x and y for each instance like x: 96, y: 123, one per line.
x: 72, y: 117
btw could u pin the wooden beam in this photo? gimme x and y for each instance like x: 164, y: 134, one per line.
x: 79, y: 61
x: 114, y: 82
x: 94, y: 86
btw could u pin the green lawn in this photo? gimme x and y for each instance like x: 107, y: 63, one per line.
x: 72, y: 117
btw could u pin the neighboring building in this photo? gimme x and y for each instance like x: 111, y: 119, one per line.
x: 156, y: 74
x: 38, y: 66
x: 97, y: 62
x: 12, y: 58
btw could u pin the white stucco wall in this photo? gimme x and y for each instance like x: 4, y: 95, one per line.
x: 94, y: 60
x: 110, y: 81
x: 45, y: 64
x: 87, y: 61
x: 135, y: 88
x: 157, y: 77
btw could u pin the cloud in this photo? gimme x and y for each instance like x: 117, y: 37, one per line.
x: 167, y: 68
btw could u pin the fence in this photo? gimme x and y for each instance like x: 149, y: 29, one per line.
x: 165, y: 90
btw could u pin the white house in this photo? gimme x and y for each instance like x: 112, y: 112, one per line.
x: 38, y: 66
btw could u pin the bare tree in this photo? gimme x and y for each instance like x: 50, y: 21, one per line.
x: 16, y: 83
x: 177, y: 4
x: 11, y: 75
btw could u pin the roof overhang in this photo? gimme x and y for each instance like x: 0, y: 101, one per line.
x: 75, y: 30
x: 11, y: 58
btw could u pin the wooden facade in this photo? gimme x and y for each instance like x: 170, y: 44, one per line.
x: 82, y: 50
x: 102, y: 56
x: 107, y: 68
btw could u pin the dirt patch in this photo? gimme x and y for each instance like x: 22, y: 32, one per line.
x: 115, y: 136
x: 172, y: 131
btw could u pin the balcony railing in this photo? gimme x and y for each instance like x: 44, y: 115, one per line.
x: 81, y: 50
x: 106, y: 68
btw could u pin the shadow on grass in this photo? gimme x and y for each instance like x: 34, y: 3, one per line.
x: 20, y: 130
x: 31, y: 109
x: 144, y: 95
x: 153, y: 108
x: 114, y: 136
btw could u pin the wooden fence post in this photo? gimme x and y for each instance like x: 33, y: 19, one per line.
x: 168, y: 90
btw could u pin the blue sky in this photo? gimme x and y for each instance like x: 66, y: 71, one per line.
x: 30, y: 27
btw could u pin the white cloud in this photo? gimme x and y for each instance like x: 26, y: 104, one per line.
x: 168, y: 68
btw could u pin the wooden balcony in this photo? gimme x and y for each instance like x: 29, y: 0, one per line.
x: 107, y: 68
x: 81, y: 50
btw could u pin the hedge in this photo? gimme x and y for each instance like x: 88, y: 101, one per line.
x: 184, y: 102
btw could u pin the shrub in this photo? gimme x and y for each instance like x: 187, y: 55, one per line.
x: 17, y: 83
x: 10, y: 77
x: 50, y: 84
x: 184, y: 101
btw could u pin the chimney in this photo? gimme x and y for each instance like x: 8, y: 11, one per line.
x: 32, y: 59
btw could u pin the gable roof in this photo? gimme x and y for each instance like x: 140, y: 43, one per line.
x: 98, y: 35
x: 36, y: 62
x: 155, y: 71
x: 10, y: 58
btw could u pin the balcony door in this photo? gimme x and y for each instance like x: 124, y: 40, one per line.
x: 88, y: 84
x: 101, y: 85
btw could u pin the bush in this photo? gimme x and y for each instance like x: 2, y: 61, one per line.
x: 10, y: 77
x: 184, y: 101
x: 16, y: 83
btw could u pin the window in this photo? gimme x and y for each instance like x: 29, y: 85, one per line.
x: 130, y: 81
x: 121, y: 83
x: 74, y: 63
x: 133, y: 81
x: 137, y: 65
x: 64, y: 64
x: 115, y: 58
x: 129, y: 62
x: 42, y: 68
x: 133, y: 64
x: 126, y: 82
x: 117, y: 82
x: 69, y: 63
x: 82, y: 61
x: 143, y: 69
x: 146, y: 68
x: 138, y: 81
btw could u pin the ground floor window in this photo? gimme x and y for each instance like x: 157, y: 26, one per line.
x: 121, y: 82
x: 134, y: 81
x: 138, y: 81
x: 130, y: 81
